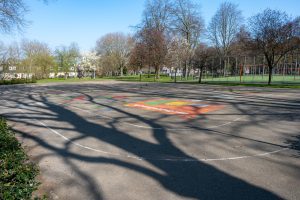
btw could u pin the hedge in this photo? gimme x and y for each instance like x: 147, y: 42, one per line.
x: 17, y: 81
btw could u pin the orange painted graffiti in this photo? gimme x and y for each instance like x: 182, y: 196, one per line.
x: 186, y: 108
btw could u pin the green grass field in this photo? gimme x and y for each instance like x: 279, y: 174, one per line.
x: 233, y: 79
x: 249, y: 80
x: 55, y: 80
x: 256, y: 79
x: 123, y: 78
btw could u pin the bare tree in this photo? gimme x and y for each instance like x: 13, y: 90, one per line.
x: 162, y: 19
x: 188, y: 23
x: 108, y: 65
x: 116, y: 46
x: 12, y: 15
x: 156, y: 15
x: 154, y: 29
x: 3, y: 52
x: 30, y: 49
x: 12, y: 56
x: 296, y: 26
x: 155, y: 45
x: 138, y: 57
x: 224, y: 26
x: 201, y: 58
x: 37, y: 57
x: 274, y: 34
x: 178, y: 54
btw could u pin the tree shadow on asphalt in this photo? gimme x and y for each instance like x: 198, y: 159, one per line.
x: 194, y: 179
x: 294, y: 144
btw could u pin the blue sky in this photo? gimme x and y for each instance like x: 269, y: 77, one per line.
x: 61, y: 22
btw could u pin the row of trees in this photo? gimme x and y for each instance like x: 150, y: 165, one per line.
x: 37, y: 58
x: 166, y: 27
x: 171, y: 31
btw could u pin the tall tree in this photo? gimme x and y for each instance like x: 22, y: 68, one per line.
x: 32, y: 49
x: 67, y: 57
x: 43, y: 61
x: 224, y: 26
x: 155, y: 45
x: 117, y: 47
x: 138, y: 57
x: 187, y: 23
x: 178, y: 54
x: 156, y: 15
x: 3, y: 52
x: 12, y: 56
x: 201, y: 58
x: 274, y: 34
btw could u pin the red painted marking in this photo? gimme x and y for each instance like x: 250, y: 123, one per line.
x: 119, y: 97
x: 81, y: 98
x: 187, y: 110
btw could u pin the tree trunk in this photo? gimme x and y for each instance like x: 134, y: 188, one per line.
x: 121, y: 70
x: 185, y: 70
x: 157, y: 73
x: 175, y: 76
x: 139, y: 72
x: 149, y: 71
x: 200, y: 75
x: 270, y: 75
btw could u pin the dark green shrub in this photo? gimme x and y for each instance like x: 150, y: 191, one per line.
x: 17, y: 81
x: 17, y: 173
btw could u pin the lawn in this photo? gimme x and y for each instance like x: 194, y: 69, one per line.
x: 256, y: 79
x: 249, y: 80
x: 55, y: 80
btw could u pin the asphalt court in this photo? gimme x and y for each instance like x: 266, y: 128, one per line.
x: 158, y: 124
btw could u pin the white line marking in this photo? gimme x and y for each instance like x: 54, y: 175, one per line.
x: 149, y: 127
x: 147, y: 158
x: 154, y: 128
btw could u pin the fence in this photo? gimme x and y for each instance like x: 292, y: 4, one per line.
x: 252, y: 69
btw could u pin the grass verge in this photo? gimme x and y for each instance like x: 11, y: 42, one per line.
x: 68, y: 80
x: 17, y: 173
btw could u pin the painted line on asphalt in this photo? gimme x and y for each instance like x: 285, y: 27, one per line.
x: 147, y: 158
x: 156, y: 128
x: 159, y: 109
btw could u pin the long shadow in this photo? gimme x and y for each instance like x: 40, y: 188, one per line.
x: 187, y: 179
x: 260, y: 101
x: 294, y: 144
